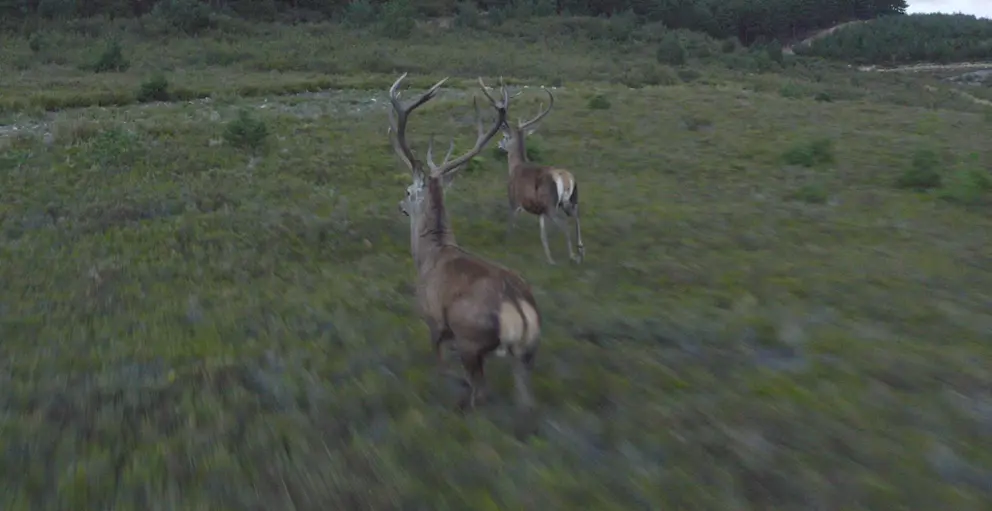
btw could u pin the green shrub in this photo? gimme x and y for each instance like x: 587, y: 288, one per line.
x: 36, y: 42
x: 652, y: 74
x: 187, y: 16
x: 246, y: 132
x: 599, y: 102
x: 774, y: 52
x: 359, y: 13
x: 397, y: 19
x: 671, y: 51
x: 155, y: 88
x: 729, y: 45
x: 534, y: 151
x: 467, y: 15
x: 111, y: 58
x: 922, y: 174
x: 810, y: 154
x: 967, y: 186
x: 57, y: 9
x: 810, y: 194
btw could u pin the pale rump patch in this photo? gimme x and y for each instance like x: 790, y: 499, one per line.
x: 516, y: 330
x: 565, y: 184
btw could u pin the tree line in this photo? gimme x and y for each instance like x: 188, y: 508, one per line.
x: 747, y: 20
x: 907, y: 39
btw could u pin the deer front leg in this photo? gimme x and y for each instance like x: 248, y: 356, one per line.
x: 511, y: 220
x: 544, y: 240
x: 438, y: 336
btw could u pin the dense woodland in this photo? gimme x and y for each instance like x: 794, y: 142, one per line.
x: 901, y: 39
x: 748, y: 20
x: 890, y: 36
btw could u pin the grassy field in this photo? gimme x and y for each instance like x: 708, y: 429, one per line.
x: 785, y: 302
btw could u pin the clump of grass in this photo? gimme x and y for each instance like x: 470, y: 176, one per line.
x: 815, y: 152
x: 649, y: 75
x: 696, y: 123
x: 792, y: 90
x: 155, y: 88
x: 599, y: 102
x: 689, y: 75
x: 246, y: 132
x: 812, y: 193
x: 922, y: 174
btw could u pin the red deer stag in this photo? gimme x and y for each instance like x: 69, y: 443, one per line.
x: 477, y: 305
x: 540, y: 189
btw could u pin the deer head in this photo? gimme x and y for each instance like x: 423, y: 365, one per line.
x: 514, y: 134
x: 444, y: 173
x: 415, y: 203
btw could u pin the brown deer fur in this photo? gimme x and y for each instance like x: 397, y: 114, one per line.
x: 475, y: 304
x: 540, y: 190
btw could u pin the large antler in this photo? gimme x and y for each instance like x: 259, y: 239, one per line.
x: 398, y: 115
x: 483, y: 138
x: 524, y: 125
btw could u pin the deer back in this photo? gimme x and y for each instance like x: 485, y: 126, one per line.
x: 533, y: 188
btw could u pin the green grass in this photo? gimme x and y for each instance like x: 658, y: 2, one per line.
x: 187, y: 322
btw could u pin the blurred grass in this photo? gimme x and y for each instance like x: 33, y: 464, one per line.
x: 189, y: 325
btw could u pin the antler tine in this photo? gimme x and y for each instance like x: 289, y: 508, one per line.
x: 398, y: 115
x: 451, y: 149
x: 430, y: 153
x: 485, y: 90
x: 551, y: 103
x: 484, y: 136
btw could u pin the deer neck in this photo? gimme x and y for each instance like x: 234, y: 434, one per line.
x: 430, y: 230
x: 517, y: 150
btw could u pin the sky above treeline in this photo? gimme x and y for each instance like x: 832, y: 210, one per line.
x: 980, y: 8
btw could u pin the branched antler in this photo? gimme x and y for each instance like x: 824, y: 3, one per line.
x: 399, y: 114
x: 524, y: 125
x: 398, y: 121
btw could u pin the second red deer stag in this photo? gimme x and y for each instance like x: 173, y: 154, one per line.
x: 475, y: 304
x: 541, y: 190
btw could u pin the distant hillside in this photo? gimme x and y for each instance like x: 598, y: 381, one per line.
x: 906, y: 39
x: 750, y: 21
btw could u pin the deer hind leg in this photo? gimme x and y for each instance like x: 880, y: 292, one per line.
x: 523, y: 366
x: 562, y: 224
x: 473, y: 360
x: 578, y: 232
x: 544, y: 239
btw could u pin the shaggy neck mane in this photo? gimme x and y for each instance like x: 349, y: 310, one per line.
x: 432, y: 230
x: 517, y: 153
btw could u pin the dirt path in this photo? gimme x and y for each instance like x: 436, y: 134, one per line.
x: 927, y: 66
x: 817, y: 35
x: 963, y: 94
